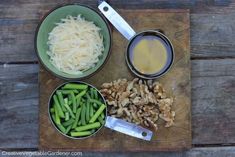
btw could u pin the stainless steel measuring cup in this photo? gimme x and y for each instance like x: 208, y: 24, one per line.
x: 124, y: 28
x: 110, y: 122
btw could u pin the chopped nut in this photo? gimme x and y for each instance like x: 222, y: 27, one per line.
x: 140, y: 102
x: 146, y: 123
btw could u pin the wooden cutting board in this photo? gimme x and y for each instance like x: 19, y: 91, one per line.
x: 176, y: 25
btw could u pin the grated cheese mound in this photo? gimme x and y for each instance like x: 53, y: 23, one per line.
x: 75, y: 45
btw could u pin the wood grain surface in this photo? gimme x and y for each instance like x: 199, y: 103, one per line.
x: 212, y: 25
x: 194, y: 152
x: 175, y: 24
x: 213, y: 92
x: 212, y: 104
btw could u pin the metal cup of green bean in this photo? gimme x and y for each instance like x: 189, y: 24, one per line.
x: 77, y: 110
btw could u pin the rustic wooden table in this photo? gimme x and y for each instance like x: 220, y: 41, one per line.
x: 213, y: 73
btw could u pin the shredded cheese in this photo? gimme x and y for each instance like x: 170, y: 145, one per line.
x: 75, y: 45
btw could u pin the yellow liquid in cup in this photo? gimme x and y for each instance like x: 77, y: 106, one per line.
x: 149, y: 56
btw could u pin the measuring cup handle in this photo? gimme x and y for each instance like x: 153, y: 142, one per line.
x: 118, y: 22
x: 128, y: 128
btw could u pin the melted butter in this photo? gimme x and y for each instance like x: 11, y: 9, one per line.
x: 149, y: 56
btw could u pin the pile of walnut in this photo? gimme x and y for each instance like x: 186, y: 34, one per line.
x: 138, y: 101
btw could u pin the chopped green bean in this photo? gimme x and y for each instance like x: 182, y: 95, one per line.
x: 95, y: 94
x: 68, y: 91
x: 81, y: 94
x: 66, y: 116
x: 88, y: 96
x: 93, y: 130
x: 88, y: 126
x: 75, y: 91
x: 61, y: 128
x: 61, y: 100
x: 68, y: 129
x: 87, y: 111
x: 102, y: 115
x: 77, y: 109
x: 83, y: 114
x: 78, y: 102
x: 95, y: 105
x: 70, y: 111
x: 69, y: 122
x: 60, y: 112
x: 97, y: 114
x: 70, y: 98
x: 83, y: 100
x: 100, y: 119
x: 53, y: 117
x: 84, y: 133
x: 73, y: 102
x: 91, y: 110
x: 91, y: 93
x: 75, y: 86
x: 80, y: 122
x: 75, y: 123
x: 57, y: 117
x: 96, y: 101
x: 52, y: 110
x: 66, y: 101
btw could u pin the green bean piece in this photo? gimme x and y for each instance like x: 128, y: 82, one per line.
x: 81, y: 94
x: 70, y: 111
x: 60, y: 112
x: 102, y: 115
x: 73, y: 102
x: 66, y: 101
x: 84, y: 133
x: 75, y: 86
x: 75, y: 123
x: 100, y: 119
x: 78, y: 102
x: 96, y: 101
x: 91, y: 110
x: 95, y: 105
x: 91, y: 93
x: 88, y: 96
x: 70, y: 102
x: 97, y: 113
x: 80, y: 122
x: 57, y: 117
x: 53, y: 117
x: 88, y: 126
x: 95, y: 94
x: 83, y: 114
x: 61, y: 100
x: 52, y: 110
x: 61, y: 128
x: 93, y: 130
x: 70, y: 98
x: 68, y: 129
x: 66, y: 116
x: 68, y: 91
x: 75, y: 91
x: 87, y: 112
x: 69, y: 122
x: 83, y: 100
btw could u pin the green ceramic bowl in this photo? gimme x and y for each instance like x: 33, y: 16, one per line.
x: 48, y: 23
